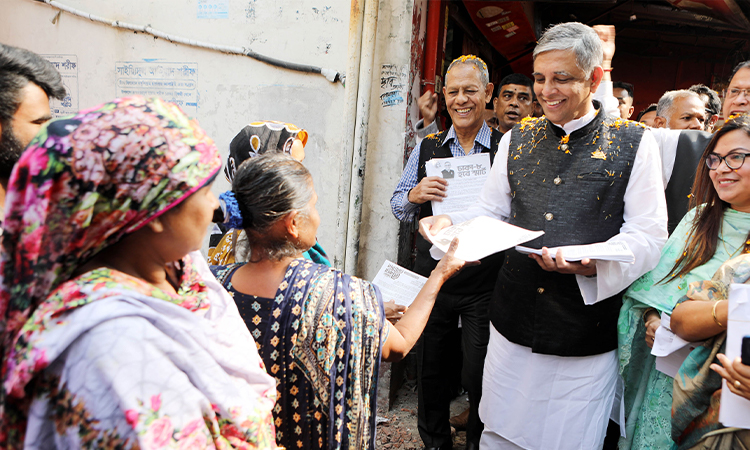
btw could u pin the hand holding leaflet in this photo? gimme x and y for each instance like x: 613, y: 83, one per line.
x: 605, y: 251
x: 398, y: 284
x: 735, y: 410
x: 465, y: 175
x: 479, y: 237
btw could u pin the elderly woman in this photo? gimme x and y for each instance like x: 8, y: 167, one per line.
x: 714, y: 231
x: 115, y: 334
x: 321, y: 332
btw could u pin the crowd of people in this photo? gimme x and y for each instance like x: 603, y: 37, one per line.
x: 118, y: 333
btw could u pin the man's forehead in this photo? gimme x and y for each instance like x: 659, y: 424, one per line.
x: 513, y: 88
x: 741, y: 78
x: 621, y: 93
x: 689, y: 104
x: 458, y: 75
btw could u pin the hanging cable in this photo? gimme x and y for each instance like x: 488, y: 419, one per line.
x: 330, y: 74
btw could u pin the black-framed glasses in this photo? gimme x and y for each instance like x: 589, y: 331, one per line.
x: 733, y: 160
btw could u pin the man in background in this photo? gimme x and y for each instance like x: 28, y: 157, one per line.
x: 27, y: 81
x: 713, y: 104
x: 624, y: 94
x: 680, y: 110
x: 737, y: 96
x: 648, y: 115
x: 513, y: 102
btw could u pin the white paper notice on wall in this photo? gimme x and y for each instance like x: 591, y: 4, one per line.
x: 176, y: 82
x: 213, y: 9
x: 735, y: 410
x: 393, y: 83
x: 67, y: 65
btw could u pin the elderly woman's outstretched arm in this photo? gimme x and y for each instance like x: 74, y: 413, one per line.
x: 403, y: 335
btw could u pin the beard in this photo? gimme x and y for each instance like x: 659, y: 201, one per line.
x: 10, y: 151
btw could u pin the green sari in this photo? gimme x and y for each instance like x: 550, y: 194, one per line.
x: 648, y: 392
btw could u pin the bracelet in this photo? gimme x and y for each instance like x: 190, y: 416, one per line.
x: 645, y: 313
x: 714, y: 314
x: 607, y: 70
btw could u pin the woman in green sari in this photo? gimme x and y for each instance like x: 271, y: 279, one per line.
x: 714, y: 231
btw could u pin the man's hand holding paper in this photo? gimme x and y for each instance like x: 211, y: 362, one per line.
x: 429, y: 189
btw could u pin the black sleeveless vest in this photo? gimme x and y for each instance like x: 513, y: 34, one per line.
x: 473, y: 279
x: 572, y: 188
x: 687, y: 157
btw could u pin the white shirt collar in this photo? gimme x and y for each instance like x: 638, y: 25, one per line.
x: 581, y: 122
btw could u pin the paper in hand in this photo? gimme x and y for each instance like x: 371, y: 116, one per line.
x: 618, y: 251
x: 479, y: 237
x: 735, y: 410
x: 398, y: 284
x: 465, y: 175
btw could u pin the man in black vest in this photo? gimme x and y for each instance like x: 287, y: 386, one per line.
x: 551, y: 370
x: 467, y: 90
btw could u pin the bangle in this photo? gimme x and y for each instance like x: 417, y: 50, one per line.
x: 714, y: 314
x: 645, y: 313
x: 607, y: 70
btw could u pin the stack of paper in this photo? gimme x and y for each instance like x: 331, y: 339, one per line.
x: 479, y: 237
x: 606, y: 251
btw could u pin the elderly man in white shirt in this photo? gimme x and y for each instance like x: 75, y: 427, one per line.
x: 550, y: 376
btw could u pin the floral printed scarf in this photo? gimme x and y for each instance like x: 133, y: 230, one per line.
x: 697, y: 388
x: 83, y: 183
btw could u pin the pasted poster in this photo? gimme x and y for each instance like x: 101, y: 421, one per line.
x: 213, y: 9
x: 172, y: 81
x: 67, y: 65
x: 393, y: 80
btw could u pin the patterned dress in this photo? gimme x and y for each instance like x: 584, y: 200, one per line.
x: 321, y: 338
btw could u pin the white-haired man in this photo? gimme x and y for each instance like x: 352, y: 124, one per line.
x: 467, y: 90
x: 680, y: 110
x: 551, y: 370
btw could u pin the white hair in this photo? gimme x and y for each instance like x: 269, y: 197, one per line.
x: 471, y: 60
x: 666, y: 102
x: 576, y: 37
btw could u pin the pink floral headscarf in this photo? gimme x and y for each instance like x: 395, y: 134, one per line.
x: 84, y: 182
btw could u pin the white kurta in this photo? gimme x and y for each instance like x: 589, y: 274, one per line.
x: 551, y: 402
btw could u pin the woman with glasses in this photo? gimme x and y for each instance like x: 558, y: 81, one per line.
x: 714, y: 231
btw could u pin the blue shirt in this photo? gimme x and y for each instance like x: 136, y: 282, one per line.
x: 405, y: 210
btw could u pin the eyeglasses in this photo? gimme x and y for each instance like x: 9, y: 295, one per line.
x: 733, y: 160
x: 735, y: 92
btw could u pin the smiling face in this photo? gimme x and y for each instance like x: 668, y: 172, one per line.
x: 465, y: 98
x: 741, y: 102
x: 733, y: 186
x: 563, y: 90
x: 512, y: 104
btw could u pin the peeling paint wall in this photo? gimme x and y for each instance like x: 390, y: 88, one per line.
x: 225, y: 92
x: 392, y: 112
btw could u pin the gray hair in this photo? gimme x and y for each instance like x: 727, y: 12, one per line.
x: 268, y: 188
x: 471, y: 60
x: 666, y: 102
x: 742, y: 65
x: 576, y: 37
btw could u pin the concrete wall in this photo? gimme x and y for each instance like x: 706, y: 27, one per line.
x: 225, y: 92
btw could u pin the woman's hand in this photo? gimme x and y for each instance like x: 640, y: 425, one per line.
x: 736, y: 374
x: 653, y: 320
x: 449, y: 265
x: 393, y: 312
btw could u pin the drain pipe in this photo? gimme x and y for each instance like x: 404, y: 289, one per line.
x: 362, y: 40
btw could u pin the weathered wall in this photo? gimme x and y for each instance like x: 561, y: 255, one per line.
x: 393, y: 112
x: 224, y: 92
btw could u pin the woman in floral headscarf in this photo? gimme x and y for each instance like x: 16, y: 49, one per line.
x: 114, y: 332
x: 267, y: 136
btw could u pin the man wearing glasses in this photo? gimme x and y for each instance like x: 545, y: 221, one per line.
x: 737, y: 95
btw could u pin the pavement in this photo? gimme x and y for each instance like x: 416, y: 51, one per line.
x: 397, y: 427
